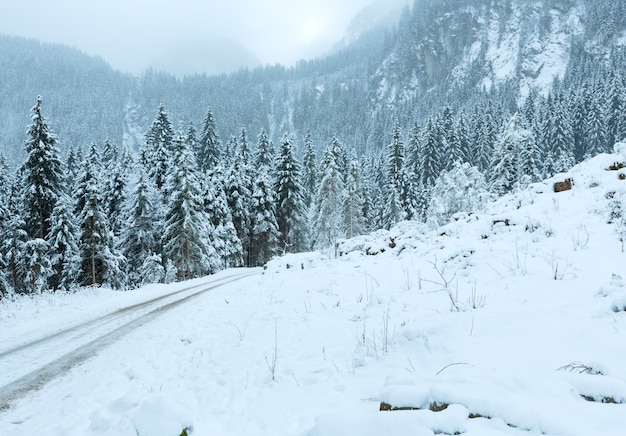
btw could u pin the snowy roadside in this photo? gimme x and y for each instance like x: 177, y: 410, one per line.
x: 505, y: 322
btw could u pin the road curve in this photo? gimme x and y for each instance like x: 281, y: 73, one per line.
x: 107, y: 329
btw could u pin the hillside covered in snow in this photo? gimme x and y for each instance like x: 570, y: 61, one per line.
x: 507, y: 320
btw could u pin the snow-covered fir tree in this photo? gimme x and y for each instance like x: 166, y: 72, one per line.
x: 528, y: 158
x: 265, y: 154
x: 486, y: 139
x: 374, y: 184
x: 596, y: 136
x: 354, y: 202
x: 309, y: 170
x: 63, y: 240
x: 140, y: 235
x: 72, y: 168
x: 100, y: 262
x: 264, y: 233
x: 209, y: 145
x: 110, y: 155
x: 330, y: 197
x: 187, y: 228
x: 505, y: 168
x: 6, y: 182
x: 395, y: 157
x: 341, y: 156
x: 156, y: 151
x: 244, y: 153
x: 560, y: 137
x: 450, y: 144
x: 13, y: 238
x: 41, y: 174
x: 238, y: 197
x: 290, y: 212
x: 463, y: 138
x: 114, y: 188
x: 394, y: 211
x: 431, y: 159
x: 37, y: 265
x: 224, y: 240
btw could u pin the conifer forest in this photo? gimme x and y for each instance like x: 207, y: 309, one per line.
x: 160, y: 179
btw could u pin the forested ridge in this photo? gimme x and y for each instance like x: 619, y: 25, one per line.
x: 284, y: 160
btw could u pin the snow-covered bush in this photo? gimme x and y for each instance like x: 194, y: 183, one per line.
x: 152, y: 270
x: 463, y: 188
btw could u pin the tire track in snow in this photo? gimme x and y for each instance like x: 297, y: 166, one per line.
x: 111, y: 316
x: 38, y: 378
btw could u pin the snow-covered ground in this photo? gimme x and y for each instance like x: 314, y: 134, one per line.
x: 507, y: 322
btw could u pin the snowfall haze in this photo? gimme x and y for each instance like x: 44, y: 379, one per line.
x: 189, y: 36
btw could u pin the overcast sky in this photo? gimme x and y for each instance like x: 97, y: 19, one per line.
x: 133, y: 34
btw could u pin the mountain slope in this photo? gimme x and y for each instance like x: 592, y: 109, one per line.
x: 83, y: 96
x: 441, y: 53
x: 464, y: 45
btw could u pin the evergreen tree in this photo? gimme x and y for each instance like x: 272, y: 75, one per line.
x: 110, y: 155
x: 614, y: 96
x: 264, y: 158
x: 151, y: 271
x: 114, y: 188
x: 354, y: 203
x: 13, y: 241
x: 6, y: 183
x: 72, y: 168
x: 430, y: 165
x: 230, y: 152
x: 395, y: 157
x: 264, y: 235
x: 309, y: 171
x: 64, y: 254
x: 289, y: 199
x: 394, y: 211
x: 341, y: 157
x: 487, y: 140
x: 505, y: 172
x: 42, y: 175
x: 597, y: 138
x: 100, y: 264
x: 90, y: 167
x: 375, y: 183
x: 476, y: 137
x: 38, y: 267
x: 191, y: 139
x: 528, y: 158
x: 330, y: 197
x: 463, y: 138
x: 561, y: 139
x: 187, y: 228
x: 225, y: 240
x: 140, y: 236
x: 238, y: 197
x: 155, y: 155
x: 450, y: 144
x: 414, y: 158
x: 409, y: 194
x: 244, y: 155
x: 579, y: 123
x: 209, y: 145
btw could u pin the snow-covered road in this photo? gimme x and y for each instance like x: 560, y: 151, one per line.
x: 30, y: 365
